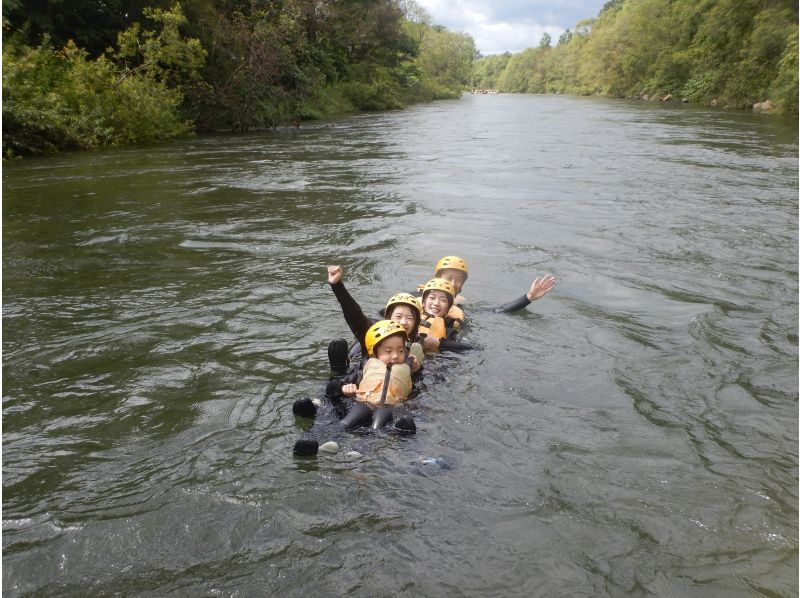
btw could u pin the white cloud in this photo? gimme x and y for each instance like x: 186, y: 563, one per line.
x: 509, y: 25
x: 496, y: 38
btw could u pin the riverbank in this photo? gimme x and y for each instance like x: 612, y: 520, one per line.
x: 718, y: 53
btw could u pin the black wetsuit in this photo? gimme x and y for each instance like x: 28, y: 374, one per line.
x: 515, y: 305
x: 356, y: 320
x: 359, y: 324
x: 358, y: 413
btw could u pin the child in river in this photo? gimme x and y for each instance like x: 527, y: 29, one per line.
x: 440, y: 323
x: 454, y: 270
x: 384, y: 385
x: 386, y: 379
x: 403, y: 308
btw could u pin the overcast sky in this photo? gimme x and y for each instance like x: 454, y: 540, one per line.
x: 510, y: 25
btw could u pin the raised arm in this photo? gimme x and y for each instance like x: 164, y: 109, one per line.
x: 539, y: 288
x: 353, y: 314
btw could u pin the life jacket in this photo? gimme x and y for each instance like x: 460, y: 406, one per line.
x: 456, y: 314
x: 434, y: 326
x: 371, y: 385
x: 415, y: 350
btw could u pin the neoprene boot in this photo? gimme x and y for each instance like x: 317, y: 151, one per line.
x: 405, y: 425
x: 337, y: 357
x: 306, y: 448
x: 333, y: 389
x: 304, y: 407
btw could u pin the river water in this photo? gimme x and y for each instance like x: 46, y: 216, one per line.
x: 633, y: 433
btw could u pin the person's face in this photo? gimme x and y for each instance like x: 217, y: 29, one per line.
x: 405, y: 316
x: 436, y: 303
x: 454, y: 277
x: 391, y: 350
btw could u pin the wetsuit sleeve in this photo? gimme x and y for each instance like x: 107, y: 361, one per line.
x: 515, y: 305
x: 353, y: 314
x: 448, y: 344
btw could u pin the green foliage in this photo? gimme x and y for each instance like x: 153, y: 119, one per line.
x: 163, y: 55
x: 445, y: 60
x: 91, y: 25
x: 35, y: 118
x: 522, y: 73
x: 60, y: 99
x: 701, y: 87
x: 486, y: 71
x: 230, y: 65
x: 277, y: 63
x: 731, y: 52
x: 261, y: 68
x: 376, y: 90
x: 785, y: 84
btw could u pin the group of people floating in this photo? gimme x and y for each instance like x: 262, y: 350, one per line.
x: 370, y: 384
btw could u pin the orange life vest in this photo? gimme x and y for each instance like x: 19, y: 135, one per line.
x: 456, y: 314
x: 433, y: 326
x: 371, y: 385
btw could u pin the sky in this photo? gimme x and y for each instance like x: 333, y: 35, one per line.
x: 510, y: 25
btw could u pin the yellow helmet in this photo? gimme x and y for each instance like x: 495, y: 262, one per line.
x: 379, y: 331
x: 440, y: 284
x: 451, y: 262
x: 404, y: 299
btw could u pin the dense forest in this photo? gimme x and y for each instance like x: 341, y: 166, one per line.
x: 83, y: 74
x: 728, y: 53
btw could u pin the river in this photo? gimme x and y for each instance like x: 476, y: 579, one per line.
x: 633, y: 433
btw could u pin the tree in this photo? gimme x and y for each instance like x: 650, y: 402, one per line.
x: 446, y: 58
x: 64, y: 98
x: 487, y: 70
x: 545, y: 41
x: 92, y: 25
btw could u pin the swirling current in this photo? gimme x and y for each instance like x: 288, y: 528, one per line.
x: 633, y: 433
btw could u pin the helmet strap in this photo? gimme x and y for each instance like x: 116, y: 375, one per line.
x: 386, y: 379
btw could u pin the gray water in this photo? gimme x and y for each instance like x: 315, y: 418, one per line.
x: 633, y: 433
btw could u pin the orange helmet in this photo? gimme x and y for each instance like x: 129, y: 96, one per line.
x: 404, y: 299
x: 440, y: 284
x: 452, y: 262
x: 379, y: 331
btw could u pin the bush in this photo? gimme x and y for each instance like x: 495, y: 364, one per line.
x: 373, y: 89
x: 62, y: 99
x: 36, y: 119
x: 701, y: 87
x: 783, y: 90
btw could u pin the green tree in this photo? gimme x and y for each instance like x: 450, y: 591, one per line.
x: 91, y: 25
x: 62, y: 98
x: 736, y: 52
x: 523, y: 74
x: 545, y: 41
x: 446, y: 60
x: 784, y: 86
x: 487, y: 70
